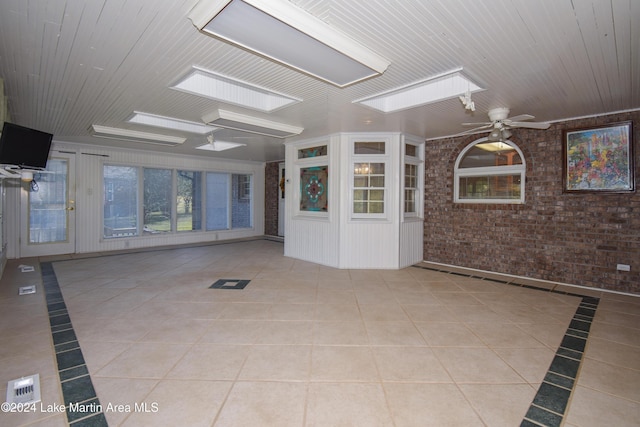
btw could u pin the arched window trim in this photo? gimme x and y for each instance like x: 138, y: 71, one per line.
x: 491, y: 171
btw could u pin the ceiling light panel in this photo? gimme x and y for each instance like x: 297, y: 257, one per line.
x: 170, y: 123
x: 231, y: 120
x: 312, y: 46
x: 219, y: 146
x: 434, y: 89
x: 233, y: 91
x: 135, y: 136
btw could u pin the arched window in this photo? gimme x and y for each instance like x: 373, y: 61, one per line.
x: 489, y: 172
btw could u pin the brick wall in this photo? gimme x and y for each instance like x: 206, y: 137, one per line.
x: 271, y: 189
x: 563, y: 237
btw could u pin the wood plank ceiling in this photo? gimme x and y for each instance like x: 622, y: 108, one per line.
x: 69, y: 64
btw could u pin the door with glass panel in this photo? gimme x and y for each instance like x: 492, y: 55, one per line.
x: 48, y: 209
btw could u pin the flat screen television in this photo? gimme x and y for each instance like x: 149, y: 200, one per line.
x: 24, y: 147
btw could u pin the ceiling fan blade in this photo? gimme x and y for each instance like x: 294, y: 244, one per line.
x: 482, y: 124
x: 530, y: 125
x: 520, y: 118
x: 475, y: 130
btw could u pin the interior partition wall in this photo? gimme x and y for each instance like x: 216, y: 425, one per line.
x: 355, y: 200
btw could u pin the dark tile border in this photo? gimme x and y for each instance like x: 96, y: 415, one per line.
x: 550, y: 402
x: 81, y: 403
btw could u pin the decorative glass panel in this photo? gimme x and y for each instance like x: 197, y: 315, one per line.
x: 313, y: 189
x: 410, y: 150
x: 369, y: 148
x: 320, y: 150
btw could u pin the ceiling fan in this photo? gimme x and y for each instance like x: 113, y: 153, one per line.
x: 501, y: 123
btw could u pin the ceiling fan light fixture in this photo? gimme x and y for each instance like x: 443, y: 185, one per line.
x: 312, y: 46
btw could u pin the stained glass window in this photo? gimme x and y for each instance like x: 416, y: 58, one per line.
x: 313, y: 189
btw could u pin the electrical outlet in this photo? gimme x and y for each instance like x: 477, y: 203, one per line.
x: 623, y: 267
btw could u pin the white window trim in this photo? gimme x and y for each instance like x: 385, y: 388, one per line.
x: 418, y: 161
x: 489, y: 171
x: 369, y: 158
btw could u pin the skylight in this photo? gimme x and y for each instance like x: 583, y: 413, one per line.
x: 438, y: 88
x: 170, y: 123
x: 227, y: 89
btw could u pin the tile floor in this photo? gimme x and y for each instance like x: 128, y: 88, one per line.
x: 303, y: 344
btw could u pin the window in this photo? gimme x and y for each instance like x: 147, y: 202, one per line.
x: 171, y: 200
x: 410, y: 187
x: 489, y: 172
x: 241, y: 201
x: 157, y: 200
x: 413, y: 179
x: 368, y: 184
x: 121, y: 201
x: 368, y: 188
x: 217, y: 201
x: 189, y: 201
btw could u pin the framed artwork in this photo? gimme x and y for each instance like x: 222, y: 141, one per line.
x: 313, y: 189
x: 599, y: 159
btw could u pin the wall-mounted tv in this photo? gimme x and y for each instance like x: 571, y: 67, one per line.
x: 24, y: 147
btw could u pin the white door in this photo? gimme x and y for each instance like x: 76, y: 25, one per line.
x: 48, y: 214
x: 281, y: 202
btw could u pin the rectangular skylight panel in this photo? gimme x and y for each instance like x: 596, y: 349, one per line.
x: 170, y: 123
x: 434, y: 89
x: 285, y: 33
x: 233, y: 91
x: 219, y: 146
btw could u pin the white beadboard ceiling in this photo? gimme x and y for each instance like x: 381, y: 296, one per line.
x: 68, y: 64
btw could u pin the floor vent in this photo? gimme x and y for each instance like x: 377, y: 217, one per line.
x: 24, y: 390
x: 26, y: 290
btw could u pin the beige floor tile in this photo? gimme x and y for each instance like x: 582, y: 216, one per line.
x: 99, y: 353
x: 144, y: 360
x: 476, y: 365
x: 590, y: 408
x: 177, y: 331
x: 343, y: 364
x: 180, y: 403
x: 500, y: 405
x: 616, y: 333
x: 613, y: 353
x: 415, y: 364
x: 390, y: 311
x: 531, y: 363
x: 340, y: 333
x: 114, y: 392
x: 448, y: 334
x: 429, y: 405
x: 337, y: 312
x: 339, y: 404
x: 429, y: 313
x: 233, y: 332
x: 277, y: 363
x: 393, y: 333
x: 264, y: 404
x: 614, y: 380
x: 210, y: 362
x: 292, y: 312
x: 286, y: 332
x: 501, y: 335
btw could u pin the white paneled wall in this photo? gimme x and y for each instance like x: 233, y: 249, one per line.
x: 338, y: 239
x: 89, y: 197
